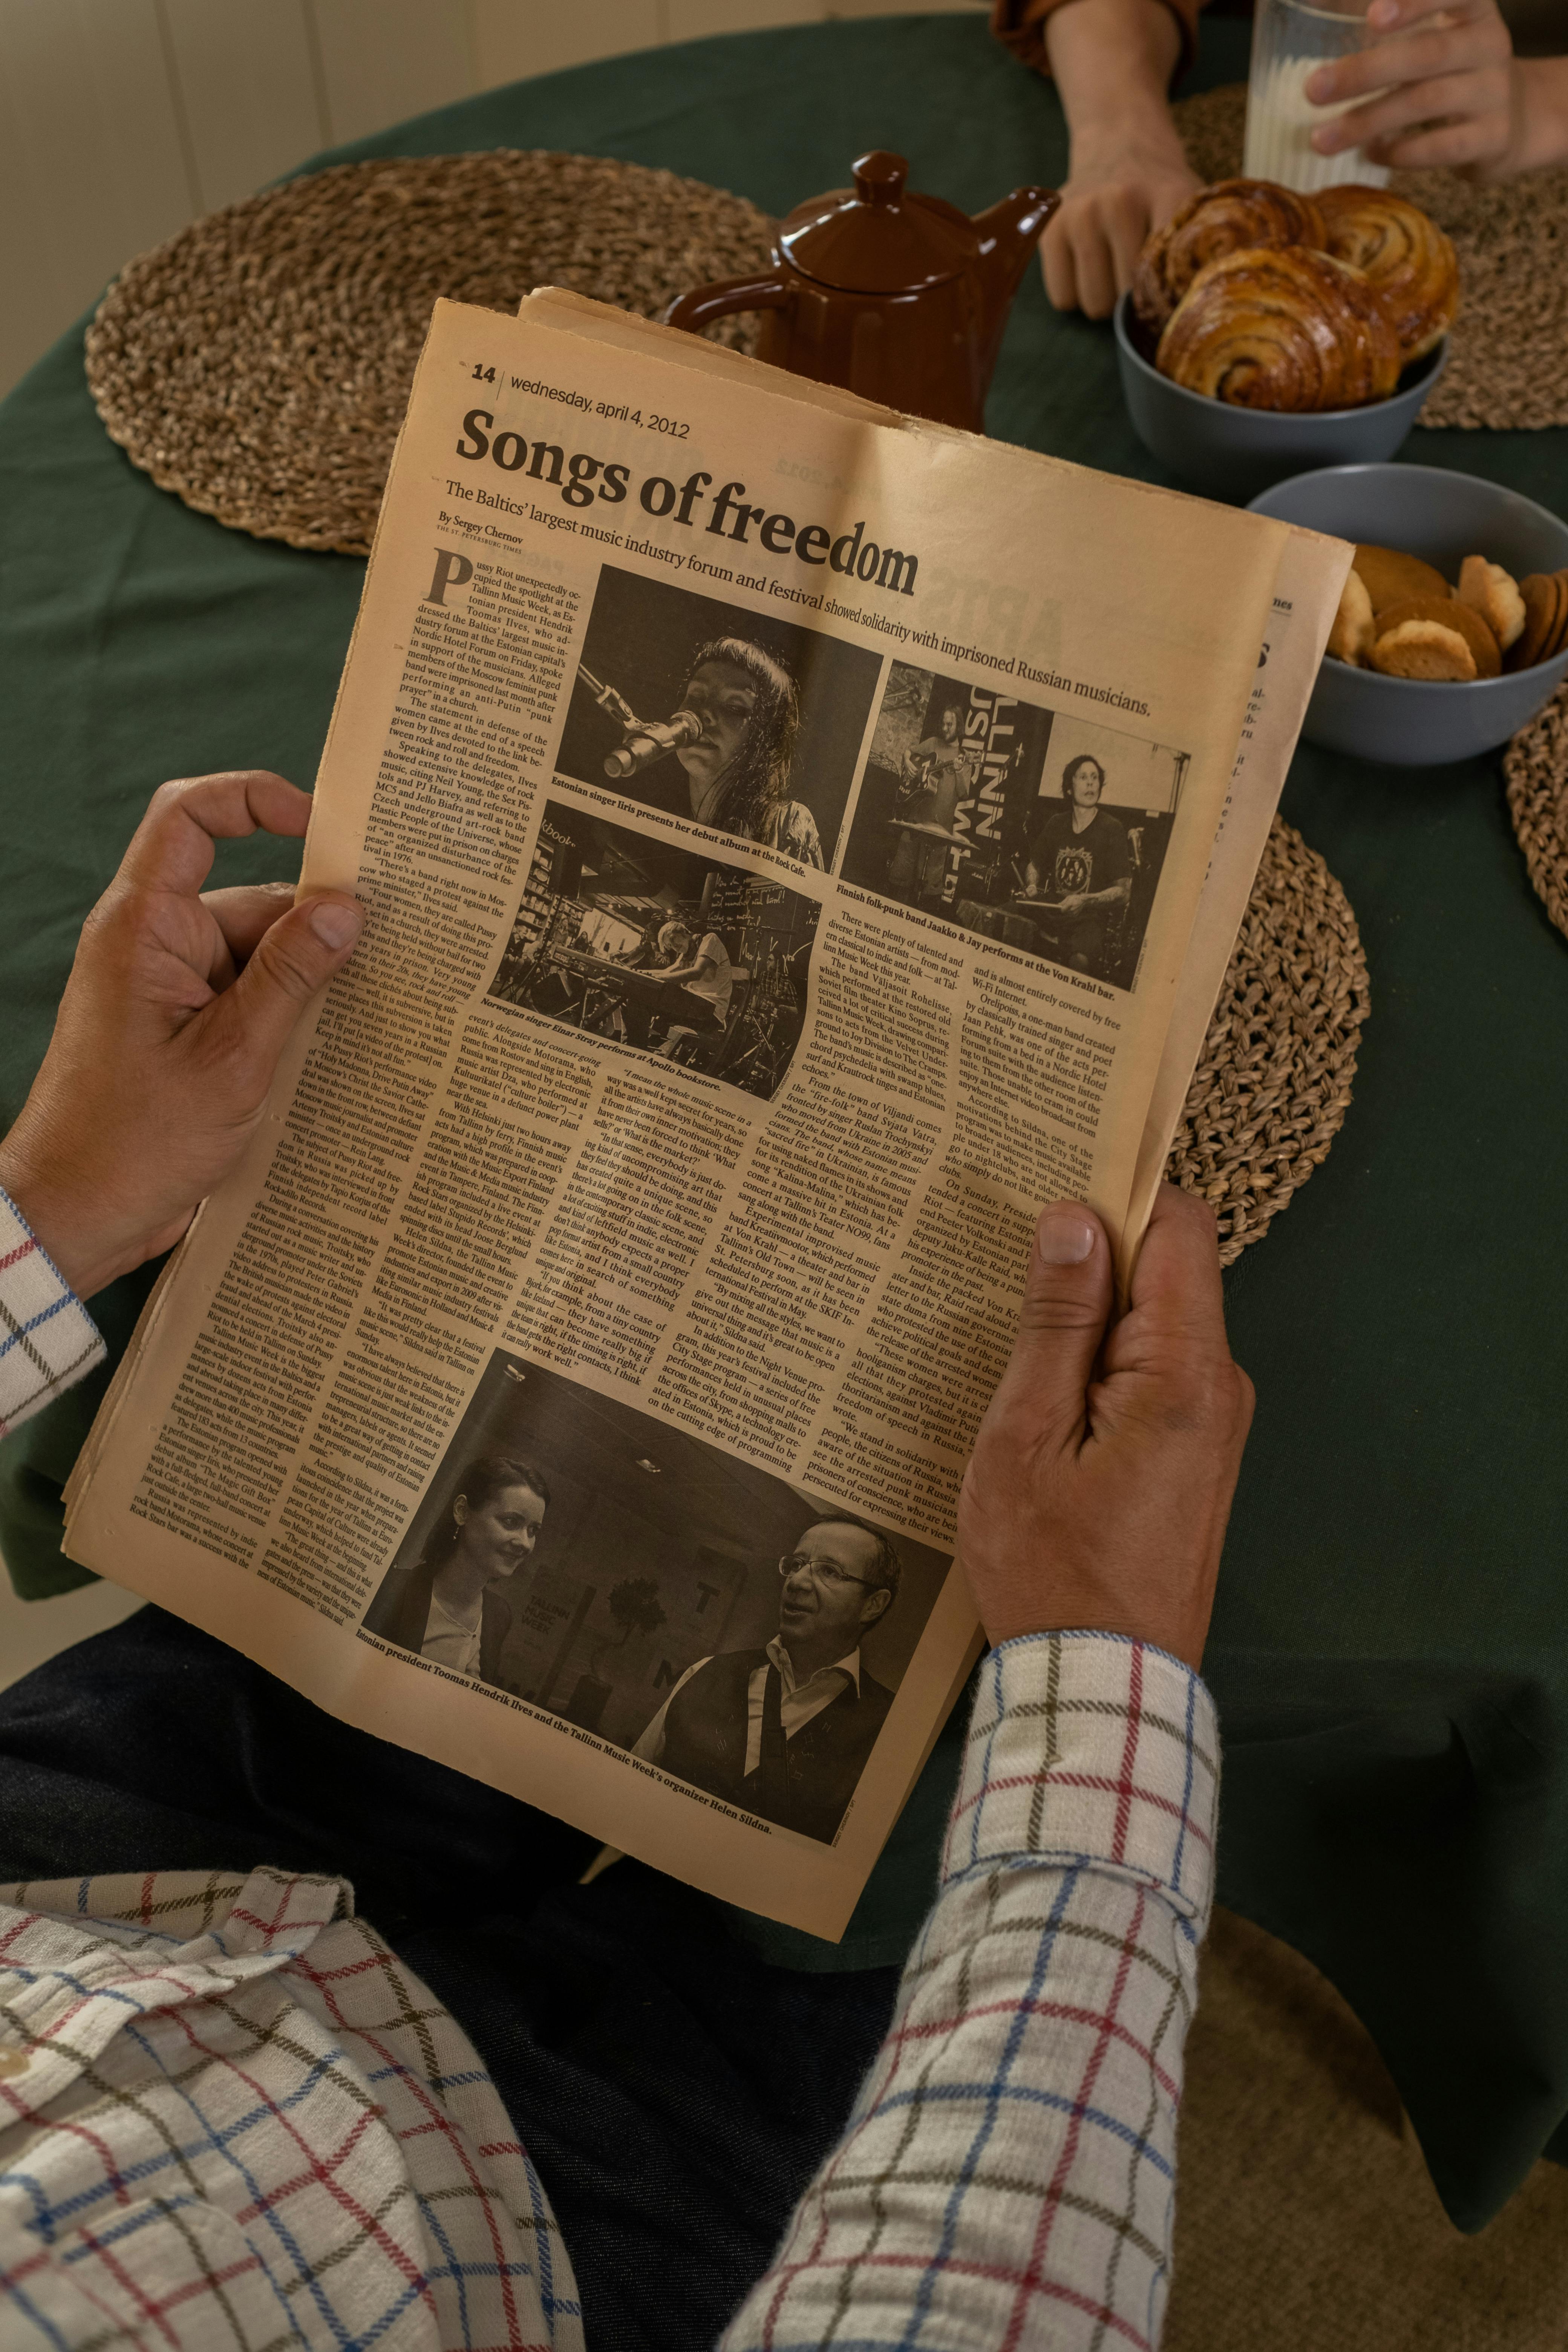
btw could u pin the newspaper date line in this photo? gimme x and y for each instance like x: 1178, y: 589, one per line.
x: 675, y: 427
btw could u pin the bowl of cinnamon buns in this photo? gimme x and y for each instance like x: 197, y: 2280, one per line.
x: 1452, y: 630
x: 1267, y: 331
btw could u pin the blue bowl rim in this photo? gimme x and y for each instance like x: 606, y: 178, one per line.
x: 1556, y: 668
x: 1429, y: 367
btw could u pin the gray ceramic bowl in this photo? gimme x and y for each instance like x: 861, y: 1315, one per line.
x: 1229, y: 453
x: 1424, y: 510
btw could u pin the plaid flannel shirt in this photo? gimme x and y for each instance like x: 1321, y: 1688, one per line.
x: 231, y: 2121
x: 48, y: 1340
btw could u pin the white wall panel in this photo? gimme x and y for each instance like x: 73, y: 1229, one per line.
x: 836, y: 9
x: 122, y: 120
x: 384, y: 59
x: 515, y: 38
x: 247, y: 82
x: 92, y: 166
x: 691, y: 20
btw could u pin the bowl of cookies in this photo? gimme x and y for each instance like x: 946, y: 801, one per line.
x: 1267, y: 331
x: 1452, y: 630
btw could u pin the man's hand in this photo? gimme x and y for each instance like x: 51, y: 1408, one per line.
x: 177, y: 1008
x: 1447, y: 92
x: 1101, y: 1482
x: 1127, y: 172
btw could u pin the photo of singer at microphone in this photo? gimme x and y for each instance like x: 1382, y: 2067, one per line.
x: 701, y: 709
x: 624, y: 937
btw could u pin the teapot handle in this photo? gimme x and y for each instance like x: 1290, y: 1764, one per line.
x: 697, y: 309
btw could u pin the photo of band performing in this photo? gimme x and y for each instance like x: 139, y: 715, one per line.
x: 628, y: 1576
x: 704, y: 709
x: 696, y: 962
x: 1029, y: 826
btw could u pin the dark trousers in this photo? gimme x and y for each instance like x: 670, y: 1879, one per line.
x: 675, y: 2092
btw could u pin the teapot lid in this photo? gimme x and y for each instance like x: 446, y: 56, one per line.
x: 875, y: 239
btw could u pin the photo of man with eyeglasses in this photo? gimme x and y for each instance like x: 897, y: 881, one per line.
x: 785, y: 1732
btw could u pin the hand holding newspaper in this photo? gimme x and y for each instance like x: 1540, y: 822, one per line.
x: 796, y: 842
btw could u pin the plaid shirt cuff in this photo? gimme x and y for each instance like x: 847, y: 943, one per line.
x: 1007, y: 2174
x: 47, y: 1338
x: 1091, y: 1748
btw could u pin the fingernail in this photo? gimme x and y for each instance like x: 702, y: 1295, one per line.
x: 334, y: 924
x: 1065, y: 1237
x: 1383, y: 12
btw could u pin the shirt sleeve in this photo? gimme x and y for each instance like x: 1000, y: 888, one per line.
x: 48, y: 1340
x: 1008, y: 2169
x: 1020, y: 26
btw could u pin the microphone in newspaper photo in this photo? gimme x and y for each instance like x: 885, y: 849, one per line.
x: 646, y: 740
x: 767, y: 715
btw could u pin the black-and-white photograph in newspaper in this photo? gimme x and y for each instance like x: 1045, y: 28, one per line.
x: 1031, y: 825
x: 700, y: 708
x: 686, y: 958
x: 737, y: 1632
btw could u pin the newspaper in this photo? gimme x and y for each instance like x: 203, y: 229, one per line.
x: 796, y: 841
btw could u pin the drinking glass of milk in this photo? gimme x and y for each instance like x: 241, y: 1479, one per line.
x: 1290, y: 41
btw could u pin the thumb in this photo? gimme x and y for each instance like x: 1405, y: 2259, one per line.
x: 1066, y: 1304
x: 295, y: 956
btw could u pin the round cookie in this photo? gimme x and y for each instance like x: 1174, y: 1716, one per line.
x: 1539, y: 591
x: 1429, y: 650
x: 1393, y: 579
x: 1452, y: 615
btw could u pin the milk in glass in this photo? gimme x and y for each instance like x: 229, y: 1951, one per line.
x: 1289, y: 42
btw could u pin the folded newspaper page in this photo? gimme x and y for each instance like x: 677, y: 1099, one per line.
x: 796, y: 842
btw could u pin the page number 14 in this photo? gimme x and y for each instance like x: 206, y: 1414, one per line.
x: 483, y: 374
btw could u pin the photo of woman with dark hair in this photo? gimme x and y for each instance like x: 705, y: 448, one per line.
x: 738, y: 771
x: 697, y: 708
x: 451, y: 1604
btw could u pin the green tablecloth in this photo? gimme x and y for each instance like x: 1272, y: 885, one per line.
x: 1390, y: 1649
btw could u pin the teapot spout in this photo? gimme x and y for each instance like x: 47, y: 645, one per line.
x: 1007, y: 237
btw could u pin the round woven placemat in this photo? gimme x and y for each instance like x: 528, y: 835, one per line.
x: 259, y: 365
x: 1273, y: 1081
x: 1536, y: 767
x: 1507, y: 354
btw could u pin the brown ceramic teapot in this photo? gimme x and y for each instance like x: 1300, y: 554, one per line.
x: 898, y: 296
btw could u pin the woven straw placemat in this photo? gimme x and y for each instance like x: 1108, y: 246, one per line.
x: 1507, y: 354
x: 1536, y: 767
x: 1273, y: 1081
x: 259, y: 365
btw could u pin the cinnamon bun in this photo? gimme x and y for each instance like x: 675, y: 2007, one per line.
x: 1218, y: 220
x: 1405, y: 255
x: 1286, y: 327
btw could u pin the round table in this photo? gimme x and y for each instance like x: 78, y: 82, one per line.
x: 1390, y: 1646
